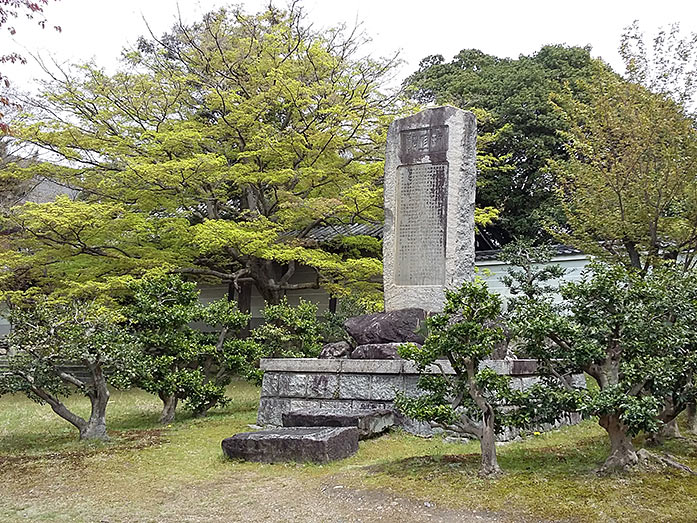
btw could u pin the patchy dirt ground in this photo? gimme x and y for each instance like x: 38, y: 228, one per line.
x: 241, y: 497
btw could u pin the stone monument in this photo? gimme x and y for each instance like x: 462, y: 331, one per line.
x: 430, y: 175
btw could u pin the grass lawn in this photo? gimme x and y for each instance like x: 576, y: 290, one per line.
x: 177, y: 473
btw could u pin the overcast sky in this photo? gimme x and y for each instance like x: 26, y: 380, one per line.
x: 101, y: 28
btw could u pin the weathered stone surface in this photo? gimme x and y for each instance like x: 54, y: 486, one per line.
x: 354, y: 386
x: 270, y: 411
x: 292, y: 385
x: 269, y: 384
x: 376, y: 351
x: 340, y: 349
x: 346, y: 385
x: 323, y: 386
x: 397, y: 326
x: 369, y: 422
x: 430, y: 175
x: 316, y: 444
x: 386, y: 387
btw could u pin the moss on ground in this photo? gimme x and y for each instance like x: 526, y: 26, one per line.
x: 145, y: 468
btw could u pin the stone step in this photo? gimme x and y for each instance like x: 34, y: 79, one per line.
x: 370, y: 422
x: 316, y: 444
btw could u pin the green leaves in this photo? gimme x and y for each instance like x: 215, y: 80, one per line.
x: 216, y: 148
x: 633, y: 333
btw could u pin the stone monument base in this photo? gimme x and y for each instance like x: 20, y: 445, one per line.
x: 347, y: 385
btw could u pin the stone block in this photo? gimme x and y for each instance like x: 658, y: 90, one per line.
x: 368, y: 405
x: 385, y: 387
x: 269, y: 384
x: 292, y: 385
x: 339, y: 405
x: 301, y: 444
x: 370, y: 422
x: 270, y: 411
x: 523, y: 367
x: 323, y: 386
x: 411, y: 386
x: 301, y: 365
x: 340, y: 349
x: 354, y: 386
x: 372, y: 366
x: 300, y: 404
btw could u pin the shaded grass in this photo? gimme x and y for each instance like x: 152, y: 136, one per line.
x: 48, y: 475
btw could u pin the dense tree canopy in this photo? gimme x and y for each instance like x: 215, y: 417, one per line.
x: 515, y: 95
x: 629, y: 185
x: 215, y: 151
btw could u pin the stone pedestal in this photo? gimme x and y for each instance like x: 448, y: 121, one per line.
x: 346, y: 385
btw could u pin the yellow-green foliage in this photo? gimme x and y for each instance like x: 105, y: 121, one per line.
x: 630, y: 178
x: 218, y: 149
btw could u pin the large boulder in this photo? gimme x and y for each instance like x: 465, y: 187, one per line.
x: 376, y: 351
x: 397, y: 326
x: 316, y: 444
x: 340, y: 349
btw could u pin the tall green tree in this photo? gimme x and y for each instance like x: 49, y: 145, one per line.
x: 629, y: 185
x: 215, y: 151
x: 514, y: 93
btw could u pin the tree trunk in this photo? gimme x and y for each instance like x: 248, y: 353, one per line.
x: 622, y: 452
x: 489, y: 466
x: 668, y: 430
x: 692, y: 417
x: 169, y: 408
x: 99, y: 397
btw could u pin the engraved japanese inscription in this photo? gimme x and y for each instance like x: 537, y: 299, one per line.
x: 416, y: 143
x: 421, y: 224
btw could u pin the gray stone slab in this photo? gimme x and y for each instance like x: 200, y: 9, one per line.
x: 354, y: 386
x: 270, y: 411
x: 300, y: 365
x: 386, y: 387
x: 269, y: 384
x: 430, y: 175
x: 372, y: 366
x: 292, y: 385
x: 323, y: 386
x: 370, y: 422
x: 301, y: 444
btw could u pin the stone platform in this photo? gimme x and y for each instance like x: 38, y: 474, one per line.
x: 292, y: 384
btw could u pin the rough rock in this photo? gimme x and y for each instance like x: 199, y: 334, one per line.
x: 370, y: 422
x: 316, y: 444
x: 387, y: 327
x: 340, y: 349
x: 376, y: 351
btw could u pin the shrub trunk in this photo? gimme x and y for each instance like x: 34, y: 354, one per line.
x: 489, y: 465
x: 623, y: 455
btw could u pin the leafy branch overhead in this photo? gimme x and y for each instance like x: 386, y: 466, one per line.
x: 221, y: 146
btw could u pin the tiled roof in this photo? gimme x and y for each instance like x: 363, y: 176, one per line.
x: 329, y: 232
